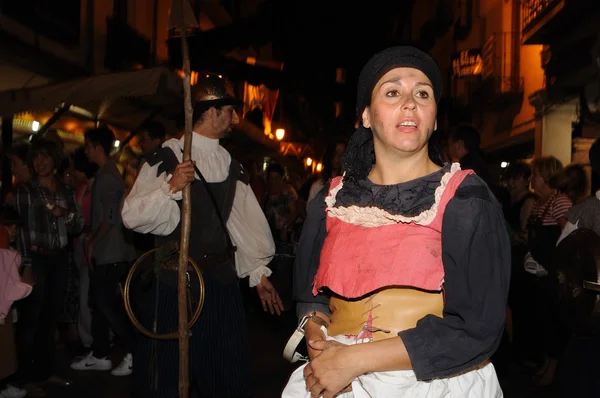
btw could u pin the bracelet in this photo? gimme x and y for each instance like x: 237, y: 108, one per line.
x: 289, y: 352
x: 317, y: 319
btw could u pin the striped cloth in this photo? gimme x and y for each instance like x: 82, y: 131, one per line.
x: 219, y: 350
x: 553, y: 209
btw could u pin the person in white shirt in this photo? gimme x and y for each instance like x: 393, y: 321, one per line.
x: 586, y: 214
x: 219, y: 352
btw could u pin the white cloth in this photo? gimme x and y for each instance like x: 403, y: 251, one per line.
x: 569, y: 227
x: 533, y: 267
x: 479, y: 383
x: 150, y: 207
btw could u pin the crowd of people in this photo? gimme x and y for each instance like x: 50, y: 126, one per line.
x: 418, y: 250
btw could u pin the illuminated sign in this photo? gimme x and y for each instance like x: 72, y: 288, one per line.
x: 467, y: 63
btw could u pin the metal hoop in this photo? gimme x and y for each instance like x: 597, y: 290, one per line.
x: 126, y: 289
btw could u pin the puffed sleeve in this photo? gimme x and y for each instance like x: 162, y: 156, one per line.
x: 307, y: 258
x: 476, y: 257
x: 150, y: 207
x: 251, y: 234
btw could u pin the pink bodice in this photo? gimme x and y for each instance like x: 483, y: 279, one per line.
x: 367, y: 249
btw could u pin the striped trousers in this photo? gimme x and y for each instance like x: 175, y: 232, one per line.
x: 219, y: 357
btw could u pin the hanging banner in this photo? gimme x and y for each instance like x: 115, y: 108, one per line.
x: 467, y: 63
x: 262, y: 98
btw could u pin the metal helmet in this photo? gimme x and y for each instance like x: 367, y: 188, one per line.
x: 213, y: 89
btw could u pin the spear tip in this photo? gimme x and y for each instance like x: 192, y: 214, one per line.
x: 181, y: 15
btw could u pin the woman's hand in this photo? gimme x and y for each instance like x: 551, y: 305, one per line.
x: 313, y: 332
x: 330, y: 372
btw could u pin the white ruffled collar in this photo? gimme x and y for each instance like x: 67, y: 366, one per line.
x: 202, y: 143
x: 376, y: 217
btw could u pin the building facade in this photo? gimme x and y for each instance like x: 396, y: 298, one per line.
x: 505, y: 68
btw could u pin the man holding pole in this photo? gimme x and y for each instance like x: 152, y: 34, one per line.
x: 229, y: 243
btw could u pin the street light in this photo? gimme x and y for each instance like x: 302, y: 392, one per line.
x: 279, y: 134
x: 308, y: 162
x: 35, y: 125
x: 319, y: 167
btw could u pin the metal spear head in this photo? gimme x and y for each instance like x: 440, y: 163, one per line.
x: 181, y: 16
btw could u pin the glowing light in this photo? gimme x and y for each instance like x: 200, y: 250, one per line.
x: 279, y: 134
x: 35, y: 125
x: 117, y: 143
x: 309, y: 162
x: 319, y: 167
x: 504, y: 165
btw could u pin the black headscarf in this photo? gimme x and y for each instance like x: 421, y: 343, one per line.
x: 359, y: 156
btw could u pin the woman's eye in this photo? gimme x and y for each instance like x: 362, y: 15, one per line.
x: 392, y: 93
x: 422, y: 94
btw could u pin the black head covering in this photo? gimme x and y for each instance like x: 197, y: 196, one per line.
x: 359, y: 155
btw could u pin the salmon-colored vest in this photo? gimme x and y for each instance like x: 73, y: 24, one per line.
x: 383, y: 250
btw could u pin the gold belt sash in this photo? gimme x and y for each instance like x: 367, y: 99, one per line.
x: 391, y: 311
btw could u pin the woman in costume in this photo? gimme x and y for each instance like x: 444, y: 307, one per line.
x: 403, y: 267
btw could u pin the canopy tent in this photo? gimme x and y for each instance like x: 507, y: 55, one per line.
x: 123, y: 100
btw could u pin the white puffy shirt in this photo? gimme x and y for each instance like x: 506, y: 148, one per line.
x: 150, y: 207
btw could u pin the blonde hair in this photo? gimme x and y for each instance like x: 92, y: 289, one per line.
x: 551, y: 170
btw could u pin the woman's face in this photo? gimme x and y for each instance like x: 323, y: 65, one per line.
x: 43, y: 164
x: 537, y: 181
x: 516, y: 185
x: 402, y: 114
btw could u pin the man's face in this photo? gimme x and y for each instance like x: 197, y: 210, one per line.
x: 224, y: 120
x: 455, y: 149
x: 149, y: 145
x: 19, y: 169
x: 91, y: 151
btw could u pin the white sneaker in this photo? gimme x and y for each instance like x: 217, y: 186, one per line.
x: 125, y: 368
x: 12, y: 392
x: 90, y: 362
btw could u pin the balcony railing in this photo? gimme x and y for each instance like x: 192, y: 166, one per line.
x: 537, y: 16
x: 501, y: 82
x: 535, y: 10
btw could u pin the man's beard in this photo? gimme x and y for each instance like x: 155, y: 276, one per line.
x: 226, y: 133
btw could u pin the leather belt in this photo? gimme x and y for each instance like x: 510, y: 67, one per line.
x: 383, y: 314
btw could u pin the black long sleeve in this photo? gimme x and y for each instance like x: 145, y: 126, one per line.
x: 308, y: 255
x: 476, y: 257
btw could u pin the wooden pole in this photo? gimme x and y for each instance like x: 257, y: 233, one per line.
x: 186, y: 213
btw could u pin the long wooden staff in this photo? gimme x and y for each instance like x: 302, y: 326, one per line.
x: 183, y: 18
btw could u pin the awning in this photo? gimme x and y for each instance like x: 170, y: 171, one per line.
x: 124, y: 99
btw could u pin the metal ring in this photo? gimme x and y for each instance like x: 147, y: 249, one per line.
x: 160, y: 336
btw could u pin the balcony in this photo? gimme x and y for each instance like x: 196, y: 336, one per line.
x: 501, y: 90
x: 544, y: 21
x: 501, y: 84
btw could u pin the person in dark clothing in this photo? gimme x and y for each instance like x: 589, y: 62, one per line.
x: 464, y: 147
x: 152, y: 136
x: 403, y: 266
x: 219, y: 349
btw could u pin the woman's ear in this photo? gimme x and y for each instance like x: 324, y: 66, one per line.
x: 365, y: 118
